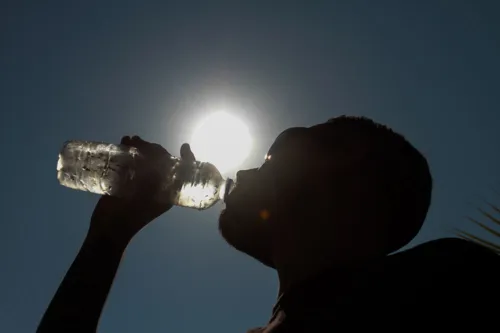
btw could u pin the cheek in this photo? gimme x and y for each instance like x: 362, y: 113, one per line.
x: 249, y: 210
x: 245, y: 217
x: 256, y: 200
x: 243, y: 229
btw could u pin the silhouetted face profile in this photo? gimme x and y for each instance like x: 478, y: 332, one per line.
x: 346, y: 189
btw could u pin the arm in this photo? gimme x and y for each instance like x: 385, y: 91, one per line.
x: 78, y: 303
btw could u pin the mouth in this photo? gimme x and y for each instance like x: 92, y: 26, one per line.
x: 233, y: 198
x: 228, y: 202
x: 229, y: 187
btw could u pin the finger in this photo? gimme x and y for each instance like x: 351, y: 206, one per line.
x: 138, y: 139
x: 186, y: 153
x: 139, y: 143
x: 125, y: 140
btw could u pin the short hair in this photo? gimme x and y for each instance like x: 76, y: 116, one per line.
x: 401, y: 174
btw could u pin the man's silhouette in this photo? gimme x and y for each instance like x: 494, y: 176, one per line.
x: 325, y: 209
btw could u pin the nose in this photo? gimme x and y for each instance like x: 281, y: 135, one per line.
x: 245, y: 176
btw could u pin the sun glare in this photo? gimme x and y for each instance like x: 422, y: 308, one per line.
x: 222, y: 140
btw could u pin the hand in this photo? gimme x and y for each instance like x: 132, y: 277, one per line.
x: 121, y: 218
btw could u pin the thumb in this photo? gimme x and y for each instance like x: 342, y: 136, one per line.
x: 186, y: 153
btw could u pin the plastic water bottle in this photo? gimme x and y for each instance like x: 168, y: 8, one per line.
x: 110, y: 169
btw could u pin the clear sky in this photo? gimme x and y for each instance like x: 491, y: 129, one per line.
x: 100, y: 69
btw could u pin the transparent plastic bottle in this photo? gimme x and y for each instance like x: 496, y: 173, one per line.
x: 110, y: 169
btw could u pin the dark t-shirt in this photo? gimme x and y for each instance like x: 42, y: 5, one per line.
x: 447, y: 284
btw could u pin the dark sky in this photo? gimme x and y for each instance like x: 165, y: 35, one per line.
x: 100, y: 69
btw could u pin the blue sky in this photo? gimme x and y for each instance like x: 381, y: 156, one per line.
x: 101, y: 69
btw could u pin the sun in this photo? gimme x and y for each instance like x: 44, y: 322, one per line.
x: 222, y: 140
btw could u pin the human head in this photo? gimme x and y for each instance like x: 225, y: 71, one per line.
x: 345, y: 189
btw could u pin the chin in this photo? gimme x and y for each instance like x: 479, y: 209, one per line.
x: 234, y: 229
x: 246, y: 235
x: 228, y: 226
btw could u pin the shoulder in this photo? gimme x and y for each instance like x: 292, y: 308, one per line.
x: 448, y: 273
x: 456, y: 257
x: 453, y: 247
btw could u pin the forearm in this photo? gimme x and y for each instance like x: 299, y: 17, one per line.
x: 77, y: 304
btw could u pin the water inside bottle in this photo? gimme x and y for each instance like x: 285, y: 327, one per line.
x: 201, y: 185
x: 97, y: 167
x: 109, y: 169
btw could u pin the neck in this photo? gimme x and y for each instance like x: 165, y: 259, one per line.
x: 302, y: 267
x: 300, y: 270
x: 317, y: 252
